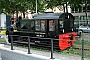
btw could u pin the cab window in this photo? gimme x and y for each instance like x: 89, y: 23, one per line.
x: 61, y: 23
x: 42, y: 25
x: 32, y: 25
x: 51, y: 25
x: 37, y: 25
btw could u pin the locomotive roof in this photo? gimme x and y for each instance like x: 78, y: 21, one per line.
x: 51, y: 15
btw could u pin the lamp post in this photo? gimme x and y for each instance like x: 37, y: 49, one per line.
x: 82, y: 5
x: 36, y: 6
x: 86, y: 10
x: 85, y: 5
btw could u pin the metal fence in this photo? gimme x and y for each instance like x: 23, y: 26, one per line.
x: 51, y: 55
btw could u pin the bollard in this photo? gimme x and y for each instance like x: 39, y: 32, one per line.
x: 51, y: 49
x: 11, y: 42
x: 82, y: 49
x: 29, y: 45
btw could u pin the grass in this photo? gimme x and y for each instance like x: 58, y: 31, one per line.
x: 79, y: 42
x: 2, y: 40
x: 35, y: 48
x: 74, y: 52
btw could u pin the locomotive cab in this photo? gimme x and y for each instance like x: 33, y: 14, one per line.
x: 53, y: 24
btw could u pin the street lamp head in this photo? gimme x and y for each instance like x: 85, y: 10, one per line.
x: 82, y: 4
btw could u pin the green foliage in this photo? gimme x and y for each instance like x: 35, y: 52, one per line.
x: 11, y: 6
x: 79, y: 42
x: 87, y: 56
x: 70, y: 51
x: 25, y: 47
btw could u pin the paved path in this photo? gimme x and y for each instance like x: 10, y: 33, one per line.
x: 48, y: 54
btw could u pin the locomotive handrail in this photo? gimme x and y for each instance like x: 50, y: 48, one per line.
x: 45, y: 38
x: 40, y: 37
x: 14, y: 35
x: 35, y: 37
x: 23, y: 36
x: 49, y: 38
x: 77, y: 36
x: 56, y: 39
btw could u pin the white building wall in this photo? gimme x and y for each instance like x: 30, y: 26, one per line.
x: 3, y: 20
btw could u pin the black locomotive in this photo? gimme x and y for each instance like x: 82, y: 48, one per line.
x: 59, y: 26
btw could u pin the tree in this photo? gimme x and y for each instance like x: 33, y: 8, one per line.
x: 12, y: 6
